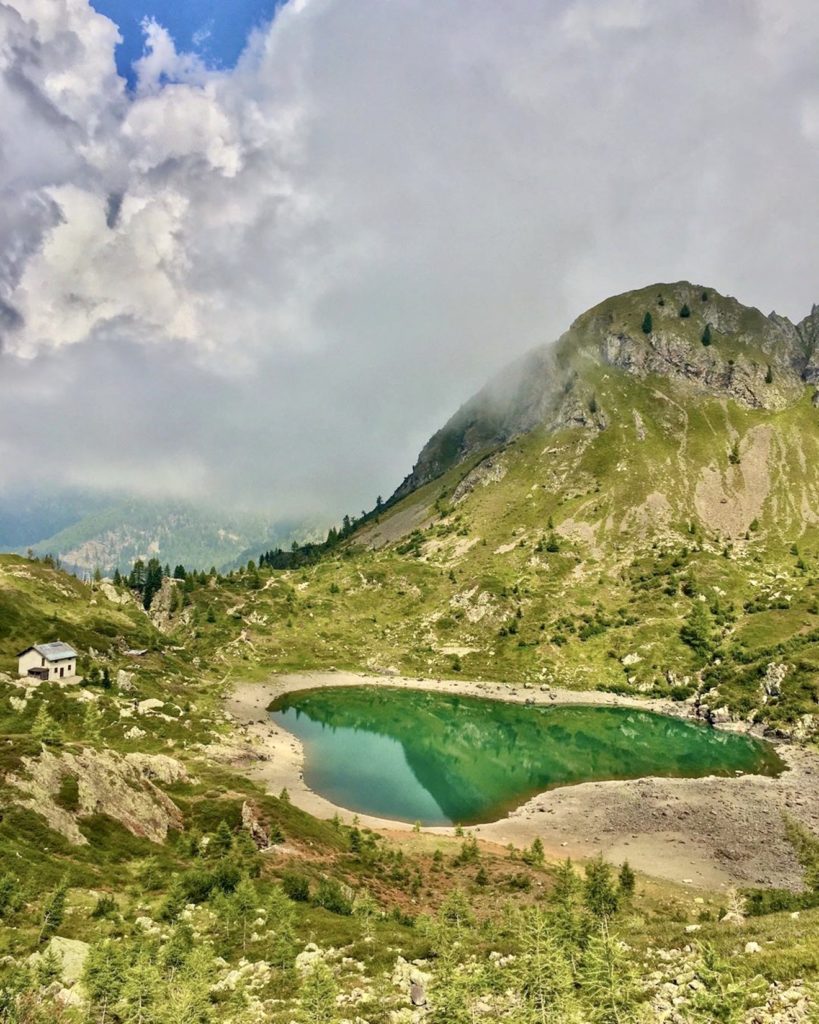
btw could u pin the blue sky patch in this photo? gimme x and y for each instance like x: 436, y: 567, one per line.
x: 214, y: 29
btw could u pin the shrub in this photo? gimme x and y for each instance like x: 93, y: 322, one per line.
x: 68, y: 795
x: 685, y: 312
x: 296, y: 886
x: 105, y: 906
x: 331, y: 896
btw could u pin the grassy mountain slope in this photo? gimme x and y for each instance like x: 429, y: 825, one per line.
x: 667, y: 480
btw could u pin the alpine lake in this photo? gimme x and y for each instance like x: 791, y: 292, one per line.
x: 444, y: 759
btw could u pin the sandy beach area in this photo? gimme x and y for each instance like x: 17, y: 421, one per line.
x: 710, y: 832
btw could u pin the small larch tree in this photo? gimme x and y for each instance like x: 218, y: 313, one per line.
x: 697, y: 630
x: 599, y: 893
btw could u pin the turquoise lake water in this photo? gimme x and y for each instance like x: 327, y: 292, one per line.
x: 445, y: 759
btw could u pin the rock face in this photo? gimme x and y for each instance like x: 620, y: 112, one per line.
x: 708, y: 341
x: 106, y: 784
x: 758, y: 361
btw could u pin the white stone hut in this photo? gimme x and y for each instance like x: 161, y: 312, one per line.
x: 51, y: 661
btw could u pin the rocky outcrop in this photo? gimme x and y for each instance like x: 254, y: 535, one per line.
x: 253, y: 824
x: 106, y: 783
x: 488, y: 471
x: 666, y: 355
x: 159, y: 767
x: 808, y: 333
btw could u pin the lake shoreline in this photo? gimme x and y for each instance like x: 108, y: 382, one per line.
x: 709, y: 832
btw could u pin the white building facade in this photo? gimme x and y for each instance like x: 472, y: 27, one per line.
x: 53, y: 661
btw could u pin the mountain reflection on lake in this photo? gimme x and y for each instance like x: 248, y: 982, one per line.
x: 446, y: 759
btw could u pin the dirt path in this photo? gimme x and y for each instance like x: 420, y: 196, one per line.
x: 711, y: 832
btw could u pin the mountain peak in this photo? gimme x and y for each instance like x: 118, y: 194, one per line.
x: 688, y: 333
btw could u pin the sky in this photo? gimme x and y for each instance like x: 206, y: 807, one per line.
x: 259, y: 259
x: 217, y: 31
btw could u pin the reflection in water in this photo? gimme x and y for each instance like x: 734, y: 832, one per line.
x: 440, y: 759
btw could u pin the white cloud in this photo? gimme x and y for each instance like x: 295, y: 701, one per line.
x: 374, y: 210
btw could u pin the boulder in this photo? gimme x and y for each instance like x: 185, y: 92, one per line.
x: 125, y: 681
x: 418, y: 994
x: 145, y: 707
x: 69, y: 997
x: 308, y: 958
x: 71, y: 954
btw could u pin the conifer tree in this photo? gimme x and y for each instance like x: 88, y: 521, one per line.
x: 647, y: 323
x: 141, y: 996
x: 49, y: 968
x: 599, y: 893
x: 222, y: 841
x: 608, y: 982
x: 626, y: 880
x: 565, y: 896
x: 53, y: 911
x: 136, y: 579
x: 697, y: 630
x: 318, y: 995
x: 93, y: 721
x: 11, y: 896
x: 280, y: 918
x: 706, y: 335
x: 44, y: 728
x: 543, y: 970
x: 153, y: 582
x: 188, y: 995
x: 245, y: 900
x: 535, y: 855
